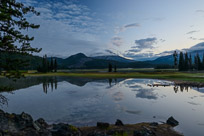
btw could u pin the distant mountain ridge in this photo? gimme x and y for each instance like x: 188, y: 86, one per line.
x: 81, y: 61
x: 115, y: 58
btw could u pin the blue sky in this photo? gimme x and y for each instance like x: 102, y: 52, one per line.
x: 135, y: 29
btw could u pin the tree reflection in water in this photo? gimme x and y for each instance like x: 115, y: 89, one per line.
x: 49, y: 82
x: 110, y: 81
x: 182, y: 88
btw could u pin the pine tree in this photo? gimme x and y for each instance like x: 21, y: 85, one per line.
x: 115, y: 68
x: 51, y: 65
x: 199, y: 62
x: 186, y: 63
x: 12, y: 39
x: 43, y: 65
x: 196, y: 62
x: 109, y: 68
x: 190, y: 63
x: 175, y: 55
x: 181, y: 62
x: 47, y: 65
x: 55, y: 65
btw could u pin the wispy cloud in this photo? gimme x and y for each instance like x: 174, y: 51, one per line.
x: 132, y: 25
x: 117, y: 41
x: 162, y: 40
x: 200, y: 10
x: 125, y: 27
x: 65, y: 24
x: 192, y: 38
x: 194, y: 31
x: 110, y: 52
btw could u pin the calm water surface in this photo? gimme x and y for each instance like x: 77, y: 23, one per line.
x: 82, y: 102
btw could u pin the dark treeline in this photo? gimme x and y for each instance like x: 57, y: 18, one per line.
x: 48, y: 65
x: 187, y: 63
x: 110, y: 68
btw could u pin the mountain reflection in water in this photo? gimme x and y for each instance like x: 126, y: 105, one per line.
x: 52, y: 82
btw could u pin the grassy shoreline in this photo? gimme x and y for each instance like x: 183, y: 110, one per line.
x: 175, y: 76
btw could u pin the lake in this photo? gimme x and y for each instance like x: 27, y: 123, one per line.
x: 85, y: 101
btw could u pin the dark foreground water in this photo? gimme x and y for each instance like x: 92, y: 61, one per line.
x: 81, y: 102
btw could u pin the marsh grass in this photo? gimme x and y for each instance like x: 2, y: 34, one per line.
x: 185, y: 76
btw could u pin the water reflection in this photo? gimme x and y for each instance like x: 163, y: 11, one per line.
x: 182, y: 88
x: 135, y: 84
x: 51, y: 82
x: 147, y: 94
x: 113, y: 82
x: 83, y: 101
x: 144, y: 89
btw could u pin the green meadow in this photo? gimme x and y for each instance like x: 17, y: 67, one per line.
x: 169, y: 74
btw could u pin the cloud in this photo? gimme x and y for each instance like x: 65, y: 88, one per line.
x: 133, y: 112
x: 68, y: 25
x: 145, y: 43
x: 144, y: 49
x: 162, y: 40
x: 105, y: 52
x: 147, y: 94
x: 118, y: 96
x: 150, y: 55
x: 125, y: 27
x: 191, y: 32
x: 117, y: 41
x: 202, y: 39
x: 110, y: 52
x: 192, y: 38
x: 132, y: 25
x: 200, y: 10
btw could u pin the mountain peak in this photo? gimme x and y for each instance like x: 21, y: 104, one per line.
x: 78, y: 55
x: 114, y: 58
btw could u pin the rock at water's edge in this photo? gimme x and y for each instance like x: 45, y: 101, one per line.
x: 171, y: 121
x: 119, y: 123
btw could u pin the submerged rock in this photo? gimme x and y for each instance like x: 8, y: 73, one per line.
x: 171, y: 121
